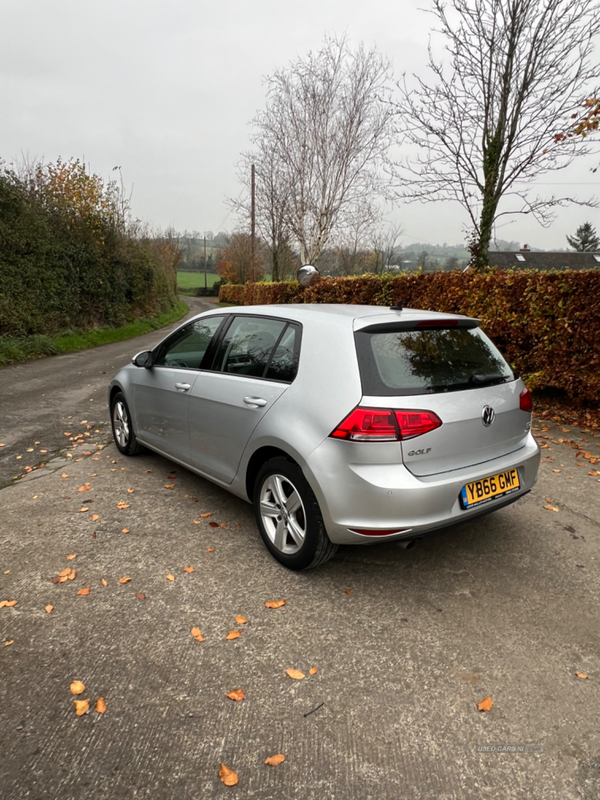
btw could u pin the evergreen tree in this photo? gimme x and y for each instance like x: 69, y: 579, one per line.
x: 585, y: 240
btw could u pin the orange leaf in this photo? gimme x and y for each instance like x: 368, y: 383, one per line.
x: 233, y: 635
x: 228, y: 776
x: 125, y: 530
x: 197, y: 521
x: 81, y: 707
x: 95, y: 517
x: 274, y: 603
x: 86, y: 487
x: 104, y: 582
x: 208, y: 514
x: 169, y: 485
x: 100, y: 705
x: 48, y: 609
x: 236, y: 694
x: 63, y: 579
x: 581, y: 675
x: 485, y: 705
x: 8, y: 603
x: 551, y: 508
x: 77, y: 687
x: 170, y: 577
x: 312, y: 671
x: 274, y: 761
x: 64, y: 475
x: 124, y: 580
x: 71, y: 577
x: 66, y: 571
x: 122, y: 505
x: 210, y: 549
x: 188, y: 569
x: 295, y: 674
x: 7, y: 644
x: 85, y: 591
x: 83, y: 510
x: 71, y: 556
x: 129, y: 491
x: 241, y: 620
x: 197, y: 634
x: 348, y: 591
x: 140, y: 596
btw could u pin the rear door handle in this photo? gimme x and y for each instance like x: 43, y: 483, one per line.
x: 183, y: 387
x: 255, y: 402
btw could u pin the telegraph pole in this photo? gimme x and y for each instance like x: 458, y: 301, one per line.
x: 253, y: 223
x: 205, y: 262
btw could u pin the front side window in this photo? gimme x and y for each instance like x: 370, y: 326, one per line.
x: 186, y: 348
x: 428, y: 361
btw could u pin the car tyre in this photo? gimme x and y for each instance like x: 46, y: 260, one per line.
x: 122, y: 427
x: 289, y: 518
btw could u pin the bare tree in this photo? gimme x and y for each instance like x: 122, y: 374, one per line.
x: 321, y: 140
x: 488, y: 123
x: 384, y: 244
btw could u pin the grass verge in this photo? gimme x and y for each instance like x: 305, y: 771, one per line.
x: 27, y: 348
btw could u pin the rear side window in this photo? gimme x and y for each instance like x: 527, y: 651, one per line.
x: 426, y: 361
x: 259, y: 347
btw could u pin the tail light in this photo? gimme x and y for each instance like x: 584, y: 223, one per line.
x: 526, y: 401
x: 385, y: 425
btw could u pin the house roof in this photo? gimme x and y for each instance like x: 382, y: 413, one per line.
x: 529, y: 259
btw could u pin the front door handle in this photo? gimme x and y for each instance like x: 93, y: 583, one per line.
x: 255, y: 401
x: 183, y: 387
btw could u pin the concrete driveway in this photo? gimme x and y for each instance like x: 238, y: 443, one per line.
x: 405, y: 644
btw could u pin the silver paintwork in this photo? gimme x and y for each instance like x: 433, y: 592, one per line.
x: 222, y: 421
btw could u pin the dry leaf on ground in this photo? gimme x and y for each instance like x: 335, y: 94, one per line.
x: 77, y: 687
x: 125, y: 530
x: 295, y: 674
x: 233, y: 635
x: 81, y: 707
x: 274, y: 761
x: 241, y: 620
x: 312, y: 671
x: 85, y: 488
x: 104, y: 582
x: 71, y: 556
x: 237, y: 694
x: 122, y: 505
x: 551, y: 508
x: 170, y: 577
x: 85, y: 591
x: 485, y: 705
x: 140, y: 596
x: 125, y: 580
x: 8, y: 603
x: 188, y: 569
x: 274, y: 603
x: 95, y: 517
x: 208, y: 514
x: 197, y: 634
x: 130, y: 491
x: 65, y: 572
x: 210, y: 549
x: 228, y: 776
x: 213, y: 524
x: 83, y: 510
x: 169, y: 485
x: 100, y: 705
x: 48, y: 609
x: 9, y: 642
x: 581, y: 675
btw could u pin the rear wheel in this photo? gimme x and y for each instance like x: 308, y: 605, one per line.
x: 289, y: 518
x: 122, y: 427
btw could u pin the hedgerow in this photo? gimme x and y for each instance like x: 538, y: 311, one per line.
x: 547, y: 324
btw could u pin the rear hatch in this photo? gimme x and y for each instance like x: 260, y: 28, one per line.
x: 448, y: 367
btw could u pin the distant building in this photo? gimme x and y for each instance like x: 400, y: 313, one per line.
x: 545, y: 261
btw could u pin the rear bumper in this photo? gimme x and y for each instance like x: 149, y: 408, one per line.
x: 387, y: 496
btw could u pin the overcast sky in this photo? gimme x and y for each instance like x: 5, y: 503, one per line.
x: 166, y: 91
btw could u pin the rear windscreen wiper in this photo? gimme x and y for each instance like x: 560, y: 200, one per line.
x: 481, y: 380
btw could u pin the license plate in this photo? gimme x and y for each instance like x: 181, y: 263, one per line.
x: 486, y: 489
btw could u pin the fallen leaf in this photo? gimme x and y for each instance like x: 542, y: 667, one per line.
x: 223, y: 525
x: 7, y: 644
x: 48, y: 609
x: 485, y: 705
x: 197, y: 521
x: 6, y: 571
x: 274, y: 603
x: 551, y: 508
x: 236, y: 694
x: 64, y: 475
x: 85, y: 591
x: 210, y: 549
x: 348, y: 591
x: 71, y: 556
x: 555, y: 470
x: 170, y: 577
x: 228, y: 776
x: 233, y: 635
x: 77, y: 687
x: 171, y: 477
x: 241, y: 620
x: 85, y: 488
x: 208, y: 514
x: 71, y: 577
x: 100, y: 705
x: 213, y: 524
x: 122, y: 505
x: 66, y: 571
x: 149, y: 470
x: 140, y: 596
x: 169, y: 485
x: 130, y: 491
x: 104, y: 582
x: 63, y: 579
x: 45, y: 451
x: 124, y: 580
x: 197, y: 634
x: 295, y: 674
x: 581, y: 675
x: 95, y: 517
x: 125, y: 530
x: 312, y: 671
x: 274, y: 761
x: 83, y: 510
x: 188, y: 569
x: 81, y: 707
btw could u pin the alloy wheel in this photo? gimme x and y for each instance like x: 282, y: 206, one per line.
x: 282, y: 513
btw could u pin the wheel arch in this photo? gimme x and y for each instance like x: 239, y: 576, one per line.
x: 257, y: 459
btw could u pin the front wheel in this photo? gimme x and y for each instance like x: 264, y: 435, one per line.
x: 289, y: 518
x: 122, y: 427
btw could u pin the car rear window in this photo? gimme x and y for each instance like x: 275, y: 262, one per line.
x: 426, y: 361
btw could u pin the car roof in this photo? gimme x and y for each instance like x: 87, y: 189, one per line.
x: 360, y: 315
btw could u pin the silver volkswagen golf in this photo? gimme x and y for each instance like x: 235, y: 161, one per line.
x: 342, y: 424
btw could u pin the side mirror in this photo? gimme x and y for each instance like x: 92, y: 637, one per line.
x: 308, y: 275
x: 143, y: 359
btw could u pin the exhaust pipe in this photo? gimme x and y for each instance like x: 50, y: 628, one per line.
x: 409, y: 545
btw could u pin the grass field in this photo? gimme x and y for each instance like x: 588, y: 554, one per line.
x: 193, y: 280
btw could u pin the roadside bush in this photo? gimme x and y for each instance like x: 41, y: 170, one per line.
x: 547, y: 324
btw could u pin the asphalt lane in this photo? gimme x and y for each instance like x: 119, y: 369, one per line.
x: 42, y: 400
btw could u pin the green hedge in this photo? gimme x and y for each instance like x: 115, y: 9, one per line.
x: 547, y: 324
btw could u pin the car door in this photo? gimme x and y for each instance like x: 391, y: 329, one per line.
x: 253, y: 366
x: 161, y: 393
